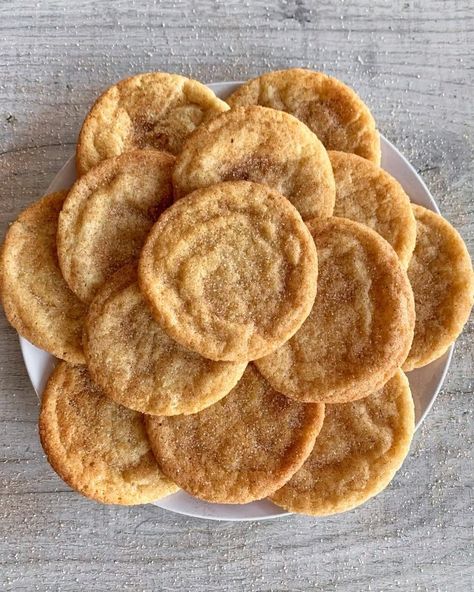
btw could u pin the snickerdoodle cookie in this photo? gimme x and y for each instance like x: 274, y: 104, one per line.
x: 357, y: 453
x: 230, y: 271
x: 264, y: 146
x: 154, y: 110
x: 98, y: 447
x: 108, y: 214
x: 367, y: 194
x: 138, y: 365
x: 36, y: 299
x: 332, y: 110
x: 242, y: 448
x: 361, y: 326
x: 442, y: 279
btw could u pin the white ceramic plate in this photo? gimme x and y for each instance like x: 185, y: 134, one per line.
x: 425, y: 382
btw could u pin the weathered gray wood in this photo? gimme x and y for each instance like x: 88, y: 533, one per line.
x: 413, y: 63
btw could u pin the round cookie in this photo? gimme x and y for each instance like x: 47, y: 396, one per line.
x: 36, y: 299
x: 230, y: 272
x: 442, y: 279
x: 332, y: 110
x: 264, y: 146
x: 357, y: 453
x: 367, y: 194
x: 154, y: 110
x: 97, y: 447
x: 108, y: 214
x: 135, y: 362
x: 242, y: 448
x: 361, y: 326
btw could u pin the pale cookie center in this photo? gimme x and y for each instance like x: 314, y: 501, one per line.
x: 233, y: 269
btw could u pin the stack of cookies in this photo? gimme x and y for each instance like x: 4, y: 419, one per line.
x: 235, y: 290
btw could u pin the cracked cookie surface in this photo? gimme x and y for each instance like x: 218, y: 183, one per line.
x: 230, y: 271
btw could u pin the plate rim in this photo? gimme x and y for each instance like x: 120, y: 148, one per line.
x: 225, y: 88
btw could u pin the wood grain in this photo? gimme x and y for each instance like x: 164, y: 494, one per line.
x: 412, y: 61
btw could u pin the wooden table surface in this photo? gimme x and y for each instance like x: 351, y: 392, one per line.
x: 413, y: 62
